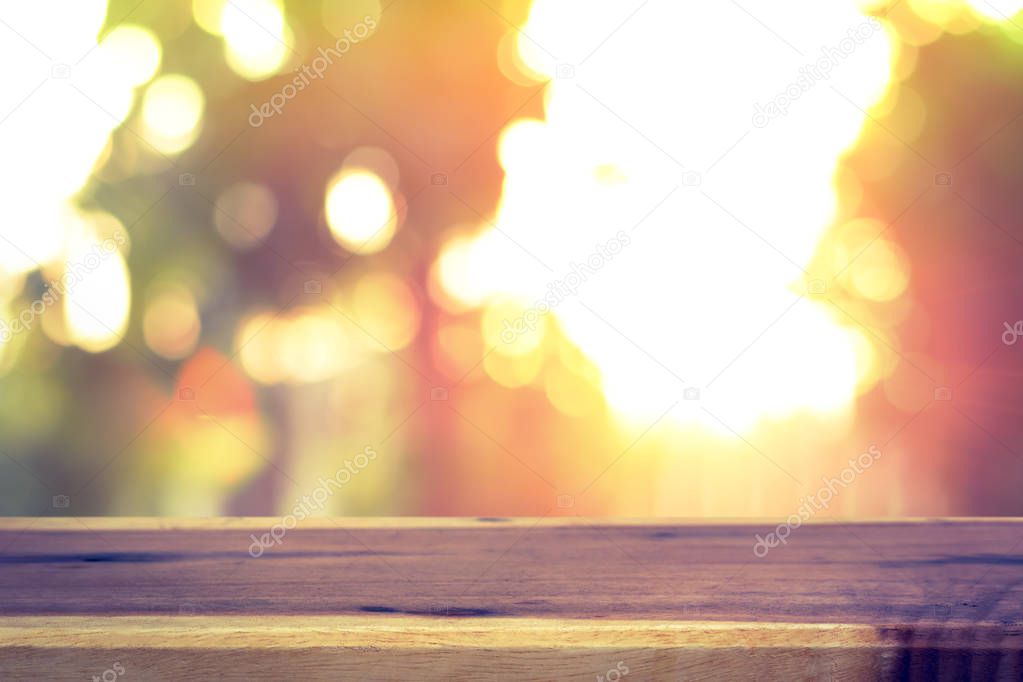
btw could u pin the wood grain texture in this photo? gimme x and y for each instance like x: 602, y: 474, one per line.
x: 383, y: 599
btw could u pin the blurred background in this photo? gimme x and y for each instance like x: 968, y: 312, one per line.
x: 511, y: 257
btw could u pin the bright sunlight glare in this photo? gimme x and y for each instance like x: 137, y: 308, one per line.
x: 662, y: 132
x: 76, y: 101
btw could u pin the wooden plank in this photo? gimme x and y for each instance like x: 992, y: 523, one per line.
x: 510, y: 599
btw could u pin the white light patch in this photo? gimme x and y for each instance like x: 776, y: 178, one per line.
x: 710, y: 134
x: 57, y: 110
x: 997, y: 10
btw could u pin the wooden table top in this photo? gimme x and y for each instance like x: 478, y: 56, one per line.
x: 510, y: 599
